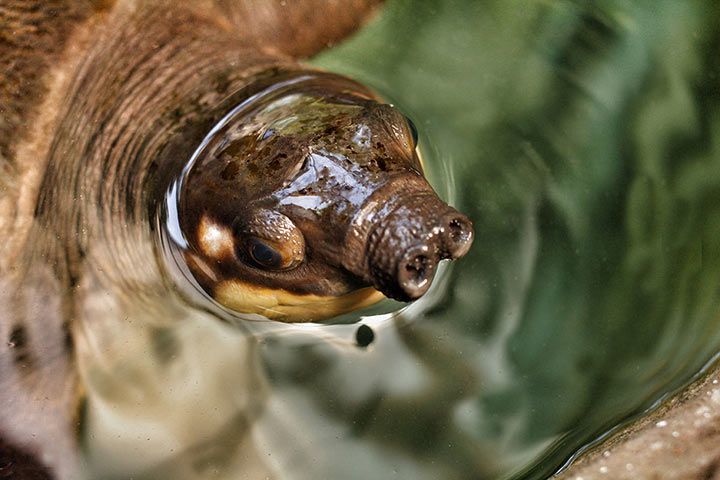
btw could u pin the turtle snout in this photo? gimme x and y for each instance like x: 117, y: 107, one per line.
x: 456, y: 235
x: 416, y: 271
x: 406, y: 248
x: 450, y: 238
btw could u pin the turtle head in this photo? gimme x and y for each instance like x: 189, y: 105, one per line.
x: 312, y: 203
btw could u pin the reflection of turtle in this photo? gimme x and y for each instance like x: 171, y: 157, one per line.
x: 304, y: 201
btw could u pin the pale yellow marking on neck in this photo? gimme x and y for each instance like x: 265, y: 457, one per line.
x: 286, y: 306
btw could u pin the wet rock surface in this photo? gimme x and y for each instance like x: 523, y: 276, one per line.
x: 680, y: 440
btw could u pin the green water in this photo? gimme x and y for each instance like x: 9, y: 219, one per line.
x: 582, y: 139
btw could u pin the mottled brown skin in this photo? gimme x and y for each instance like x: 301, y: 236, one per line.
x: 103, y: 103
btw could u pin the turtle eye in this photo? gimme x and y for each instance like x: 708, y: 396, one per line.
x: 271, y: 257
x: 264, y: 255
x: 413, y: 131
x: 269, y: 240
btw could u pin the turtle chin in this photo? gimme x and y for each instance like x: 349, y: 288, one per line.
x: 286, y: 306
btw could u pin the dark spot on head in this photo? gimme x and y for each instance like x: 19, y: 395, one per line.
x: 239, y: 147
x: 364, y: 336
x: 382, y: 165
x: 230, y: 171
x: 164, y: 344
x: 276, y: 162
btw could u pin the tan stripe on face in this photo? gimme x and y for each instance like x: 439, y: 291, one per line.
x: 215, y: 240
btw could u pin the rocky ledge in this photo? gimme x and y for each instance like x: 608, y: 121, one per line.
x: 679, y: 440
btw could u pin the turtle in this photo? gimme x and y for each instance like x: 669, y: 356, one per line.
x: 164, y: 159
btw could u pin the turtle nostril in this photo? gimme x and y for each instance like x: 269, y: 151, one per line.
x: 456, y: 232
x: 458, y: 236
x: 415, y: 272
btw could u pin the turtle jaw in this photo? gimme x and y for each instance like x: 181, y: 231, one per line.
x: 286, y: 306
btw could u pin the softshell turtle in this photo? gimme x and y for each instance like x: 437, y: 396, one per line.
x: 308, y: 200
x: 150, y: 147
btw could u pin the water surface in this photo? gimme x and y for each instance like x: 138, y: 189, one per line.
x: 582, y: 139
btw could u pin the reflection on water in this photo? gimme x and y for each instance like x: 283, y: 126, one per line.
x: 582, y: 142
